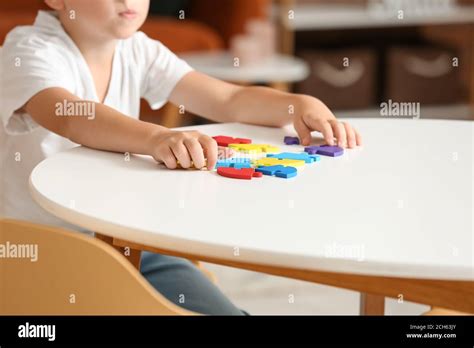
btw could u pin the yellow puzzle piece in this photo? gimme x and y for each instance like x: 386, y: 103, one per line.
x: 255, y: 148
x: 270, y: 161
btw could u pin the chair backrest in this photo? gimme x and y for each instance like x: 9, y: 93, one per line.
x: 70, y: 274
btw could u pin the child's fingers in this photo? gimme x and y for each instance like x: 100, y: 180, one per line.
x: 327, y: 132
x: 339, y: 132
x: 303, y: 131
x: 168, y: 158
x: 181, y: 153
x: 210, y: 150
x: 323, y: 126
x: 195, y: 151
x: 358, y: 137
x: 351, y: 139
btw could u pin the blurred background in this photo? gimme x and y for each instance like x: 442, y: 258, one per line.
x: 352, y: 54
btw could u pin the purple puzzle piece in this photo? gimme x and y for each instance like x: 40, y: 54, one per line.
x: 291, y: 140
x: 325, y: 150
x: 312, y: 150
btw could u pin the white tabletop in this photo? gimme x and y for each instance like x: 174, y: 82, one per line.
x: 402, y: 205
x: 279, y: 68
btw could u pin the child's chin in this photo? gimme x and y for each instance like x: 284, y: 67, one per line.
x: 124, y: 33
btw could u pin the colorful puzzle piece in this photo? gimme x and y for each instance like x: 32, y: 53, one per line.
x: 303, y: 156
x: 235, y: 160
x: 223, y: 140
x: 279, y: 171
x: 268, y: 161
x: 234, y: 173
x: 256, y: 148
x: 291, y: 140
x: 325, y: 150
x: 234, y: 163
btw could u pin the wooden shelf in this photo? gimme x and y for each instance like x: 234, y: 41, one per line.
x: 449, y: 112
x: 313, y: 17
x: 322, y: 17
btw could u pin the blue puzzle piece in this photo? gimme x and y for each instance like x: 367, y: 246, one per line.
x: 238, y: 165
x: 302, y: 156
x: 234, y: 163
x: 278, y: 171
x: 269, y: 170
x: 235, y: 160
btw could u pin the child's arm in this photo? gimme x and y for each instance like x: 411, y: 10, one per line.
x: 110, y: 130
x: 224, y: 102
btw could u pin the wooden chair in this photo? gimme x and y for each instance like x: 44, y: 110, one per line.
x: 73, y: 275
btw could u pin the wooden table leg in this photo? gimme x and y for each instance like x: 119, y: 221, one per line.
x: 132, y: 255
x: 372, y: 304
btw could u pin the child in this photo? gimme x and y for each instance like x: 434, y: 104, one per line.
x: 88, y: 51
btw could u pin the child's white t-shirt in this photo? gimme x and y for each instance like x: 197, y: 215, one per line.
x: 40, y: 56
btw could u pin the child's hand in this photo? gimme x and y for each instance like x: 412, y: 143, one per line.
x: 313, y: 115
x: 190, y: 148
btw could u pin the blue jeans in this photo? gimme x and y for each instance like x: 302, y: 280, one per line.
x: 182, y: 283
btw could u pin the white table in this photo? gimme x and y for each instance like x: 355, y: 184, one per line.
x: 275, y: 70
x: 393, y: 218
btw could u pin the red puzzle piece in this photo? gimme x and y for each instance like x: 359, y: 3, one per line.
x: 223, y: 140
x: 242, y: 173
